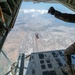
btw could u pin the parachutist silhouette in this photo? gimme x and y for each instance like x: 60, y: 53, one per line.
x: 37, y: 35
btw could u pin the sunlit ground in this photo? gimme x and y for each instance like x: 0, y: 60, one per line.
x: 53, y: 33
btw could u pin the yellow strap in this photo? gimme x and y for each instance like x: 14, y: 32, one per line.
x: 1, y: 15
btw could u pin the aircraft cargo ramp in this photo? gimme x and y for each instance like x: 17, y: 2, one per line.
x: 48, y: 63
x: 43, y: 63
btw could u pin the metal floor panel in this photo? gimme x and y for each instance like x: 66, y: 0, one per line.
x: 47, y: 63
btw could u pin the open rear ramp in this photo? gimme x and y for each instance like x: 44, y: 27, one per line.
x: 48, y: 63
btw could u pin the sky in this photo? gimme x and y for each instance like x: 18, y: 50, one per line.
x: 45, y: 6
x: 36, y: 15
x: 42, y: 5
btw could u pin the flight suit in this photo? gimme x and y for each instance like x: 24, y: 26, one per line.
x: 65, y: 17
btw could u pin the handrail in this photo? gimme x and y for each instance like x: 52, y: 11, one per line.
x: 22, y: 65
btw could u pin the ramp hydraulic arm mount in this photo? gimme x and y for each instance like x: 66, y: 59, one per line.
x: 8, y: 13
x: 68, y: 56
x: 68, y: 3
